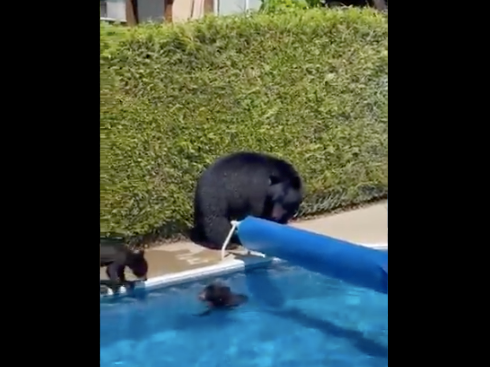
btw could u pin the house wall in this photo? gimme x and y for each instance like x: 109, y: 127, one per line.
x: 228, y: 7
x: 152, y: 10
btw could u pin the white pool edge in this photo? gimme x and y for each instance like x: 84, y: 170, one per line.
x: 224, y: 268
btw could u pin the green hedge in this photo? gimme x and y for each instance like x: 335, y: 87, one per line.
x: 309, y: 86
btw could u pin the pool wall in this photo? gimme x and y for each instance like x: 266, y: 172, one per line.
x: 230, y: 266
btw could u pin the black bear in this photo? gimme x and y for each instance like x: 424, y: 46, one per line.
x: 242, y: 184
x: 116, y: 257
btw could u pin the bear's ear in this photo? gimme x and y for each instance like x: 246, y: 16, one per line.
x: 273, y: 180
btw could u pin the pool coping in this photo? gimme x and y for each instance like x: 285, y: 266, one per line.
x: 225, y: 267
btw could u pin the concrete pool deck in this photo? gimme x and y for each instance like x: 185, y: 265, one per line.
x: 365, y: 225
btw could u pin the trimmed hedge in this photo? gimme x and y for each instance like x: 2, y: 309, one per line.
x: 310, y: 86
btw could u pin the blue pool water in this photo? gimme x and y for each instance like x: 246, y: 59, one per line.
x: 293, y: 318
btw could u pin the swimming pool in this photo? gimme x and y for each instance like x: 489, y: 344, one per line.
x: 293, y: 318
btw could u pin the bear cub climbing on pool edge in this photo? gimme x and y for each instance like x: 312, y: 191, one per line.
x: 242, y: 184
x: 116, y: 257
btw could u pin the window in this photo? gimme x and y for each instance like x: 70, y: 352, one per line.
x: 113, y: 10
x: 103, y: 9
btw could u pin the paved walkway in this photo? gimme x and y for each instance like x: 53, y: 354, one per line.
x: 365, y: 225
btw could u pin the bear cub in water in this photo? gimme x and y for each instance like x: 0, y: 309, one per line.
x: 242, y: 184
x: 220, y: 296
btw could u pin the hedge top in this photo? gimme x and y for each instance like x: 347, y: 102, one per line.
x: 309, y: 86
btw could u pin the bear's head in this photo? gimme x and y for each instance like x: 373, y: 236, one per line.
x: 284, y: 196
x: 136, y: 261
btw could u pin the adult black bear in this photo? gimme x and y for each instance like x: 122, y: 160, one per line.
x: 116, y: 257
x: 242, y: 184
